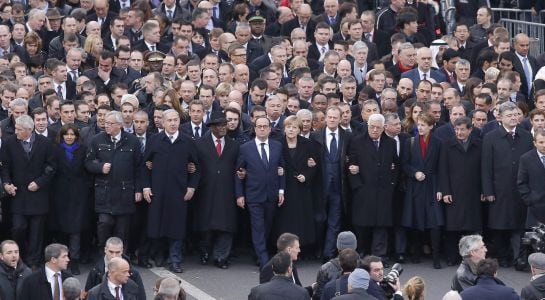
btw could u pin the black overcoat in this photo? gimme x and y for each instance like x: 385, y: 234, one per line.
x: 460, y: 177
x: 19, y: 169
x: 374, y: 186
x: 500, y: 163
x: 169, y: 180
x: 531, y: 187
x: 215, y: 198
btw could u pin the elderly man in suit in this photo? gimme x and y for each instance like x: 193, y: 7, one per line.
x: 27, y: 168
x: 117, y: 284
x: 424, y: 71
x: 46, y: 283
x: 263, y: 187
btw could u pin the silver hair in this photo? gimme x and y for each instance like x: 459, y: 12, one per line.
x: 18, y: 102
x: 468, y: 243
x: 25, y: 121
x: 389, y: 90
x: 390, y: 117
x: 71, y: 288
x: 463, y: 62
x: 376, y: 118
x: 168, y: 111
x: 126, y: 97
x: 509, y: 82
x: 452, y: 295
x: 507, y: 106
x: 304, y: 113
x: 242, y: 25
x: 117, y: 115
x: 404, y: 46
x: 359, y: 45
x: 114, y: 241
x: 35, y: 12
x: 34, y: 81
x: 348, y: 79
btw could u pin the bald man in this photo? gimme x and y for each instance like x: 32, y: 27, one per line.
x: 526, y: 65
x: 117, y: 283
x: 423, y: 71
x: 302, y: 20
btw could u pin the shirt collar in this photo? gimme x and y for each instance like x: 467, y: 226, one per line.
x: 258, y: 142
x: 174, y: 135
x: 118, y: 136
x: 214, y: 138
x: 49, y: 273
x: 328, y: 131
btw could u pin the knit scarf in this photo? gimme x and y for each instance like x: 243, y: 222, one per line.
x: 69, y: 150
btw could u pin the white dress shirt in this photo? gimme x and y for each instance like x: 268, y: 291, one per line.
x: 328, y: 137
x: 174, y: 136
x: 49, y: 274
x: 112, y: 287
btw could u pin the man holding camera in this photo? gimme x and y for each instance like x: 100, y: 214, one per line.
x: 536, y: 289
x: 373, y: 265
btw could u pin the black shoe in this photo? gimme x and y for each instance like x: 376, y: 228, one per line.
x: 74, y: 267
x: 144, y: 263
x: 159, y: 262
x: 521, y: 265
x: 176, y: 268
x: 400, y: 258
x: 437, y: 264
x: 504, y: 263
x: 204, y: 258
x: 221, y: 263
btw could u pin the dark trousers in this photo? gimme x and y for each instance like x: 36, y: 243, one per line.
x: 400, y: 238
x: 334, y: 210
x: 417, y: 240
x: 74, y: 245
x: 138, y: 237
x: 28, y: 232
x: 261, y: 219
x: 373, y: 240
x: 219, y: 242
x: 175, y: 251
x: 110, y: 225
x: 502, y: 239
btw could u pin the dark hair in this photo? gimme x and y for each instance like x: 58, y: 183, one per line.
x: 366, y: 262
x: 285, y: 240
x: 281, y: 262
x: 54, y: 251
x: 487, y: 56
x: 260, y: 83
x: 64, y: 130
x: 463, y: 121
x: 406, y: 18
x: 487, y: 98
x: 256, y: 108
x: 487, y: 267
x: 38, y: 111
x: 492, y: 87
x: 65, y: 103
x: 348, y: 259
x: 106, y: 55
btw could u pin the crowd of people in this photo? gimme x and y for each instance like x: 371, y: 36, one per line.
x: 177, y: 127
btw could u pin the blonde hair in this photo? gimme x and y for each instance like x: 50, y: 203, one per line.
x: 414, y: 288
x: 90, y: 42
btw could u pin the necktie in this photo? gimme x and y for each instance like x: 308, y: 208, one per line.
x: 142, y: 144
x: 197, y: 131
x: 323, y: 50
x: 171, y: 137
x: 527, y: 73
x: 348, y: 130
x: 375, y: 143
x: 333, y: 146
x: 114, y: 140
x: 59, y: 91
x: 264, y: 155
x: 26, y: 147
x: 368, y: 36
x: 273, y: 124
x: 117, y: 297
x: 512, y: 133
x: 543, y: 160
x: 424, y: 76
x: 218, y: 147
x: 74, y: 75
x: 215, y: 12
x: 462, y: 48
x: 332, y: 20
x: 100, y: 21
x: 207, y: 115
x: 56, y: 287
x: 153, y: 48
x: 169, y: 14
x: 123, y: 3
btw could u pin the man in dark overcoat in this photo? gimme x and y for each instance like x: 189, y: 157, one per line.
x: 168, y: 185
x: 114, y: 157
x: 216, y: 205
x: 502, y: 149
x: 373, y: 187
x: 27, y: 168
x: 460, y: 184
x: 530, y: 180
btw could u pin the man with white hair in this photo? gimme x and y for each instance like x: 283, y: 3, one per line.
x: 114, y: 158
x: 359, y: 52
x: 372, y: 203
x: 26, y: 179
x: 472, y: 250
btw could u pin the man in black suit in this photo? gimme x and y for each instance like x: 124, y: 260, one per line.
x: 333, y: 142
x: 118, y: 278
x: 151, y: 41
x: 39, y: 116
x: 331, y: 15
x: 281, y: 285
x: 102, y: 15
x: 322, y: 44
x: 105, y: 75
x: 378, y: 37
x: 59, y: 44
x: 531, y: 168
x: 465, y: 46
x: 7, y: 47
x: 117, y: 29
x: 46, y: 283
x: 27, y: 169
x: 122, y: 57
x: 526, y: 65
x: 66, y: 89
x: 302, y: 21
x: 171, y: 9
x: 73, y: 64
x: 195, y: 127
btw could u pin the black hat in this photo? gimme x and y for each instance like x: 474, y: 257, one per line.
x: 216, y: 117
x: 450, y: 54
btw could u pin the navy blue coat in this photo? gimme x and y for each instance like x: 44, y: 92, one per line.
x: 421, y: 209
x: 489, y: 288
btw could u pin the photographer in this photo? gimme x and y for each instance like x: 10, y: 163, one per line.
x: 373, y: 265
x: 536, y: 289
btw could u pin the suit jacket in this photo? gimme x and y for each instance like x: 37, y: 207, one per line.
x: 102, y: 292
x: 142, y: 47
x: 325, y: 18
x: 179, y: 12
x: 36, y: 286
x: 289, y: 26
x: 517, y: 66
x: 130, y: 76
x: 489, y: 288
x: 262, y: 182
x: 315, y: 53
x: 116, y: 75
x: 105, y: 27
x: 188, y: 129
x: 466, y: 52
x: 264, y: 43
x: 279, y: 288
x: 56, y: 49
x: 532, y: 191
x: 414, y: 75
x: 382, y: 40
x: 257, y: 65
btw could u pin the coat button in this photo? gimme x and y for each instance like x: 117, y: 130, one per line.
x: 219, y: 171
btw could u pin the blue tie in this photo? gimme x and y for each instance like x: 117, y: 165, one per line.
x: 264, y: 155
x: 333, y: 146
x: 527, y: 73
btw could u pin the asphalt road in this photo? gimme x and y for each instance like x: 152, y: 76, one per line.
x: 209, y: 282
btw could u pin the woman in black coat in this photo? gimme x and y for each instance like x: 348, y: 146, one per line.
x: 71, y: 204
x: 296, y: 214
x: 422, y: 210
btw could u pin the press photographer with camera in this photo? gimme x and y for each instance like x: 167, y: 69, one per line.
x: 536, y: 289
x: 382, y: 287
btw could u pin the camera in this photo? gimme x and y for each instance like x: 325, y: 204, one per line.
x: 391, y: 277
x: 535, y: 238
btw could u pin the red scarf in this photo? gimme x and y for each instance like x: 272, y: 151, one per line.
x: 424, y: 145
x: 403, y: 68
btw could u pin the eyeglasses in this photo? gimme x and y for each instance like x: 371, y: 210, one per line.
x: 262, y: 126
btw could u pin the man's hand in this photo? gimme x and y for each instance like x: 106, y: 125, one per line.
x: 137, y: 197
x: 241, y: 173
x: 311, y: 163
x: 420, y: 176
x: 280, y: 199
x: 280, y: 171
x: 105, y: 76
x: 189, y: 194
x: 354, y: 169
x: 491, y: 198
x: 447, y: 199
x: 147, y: 195
x: 483, y: 198
x: 106, y: 167
x: 10, y: 189
x: 240, y: 202
x: 191, y: 168
x: 149, y: 165
x: 396, y: 286
x: 33, y: 186
x: 301, y: 178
